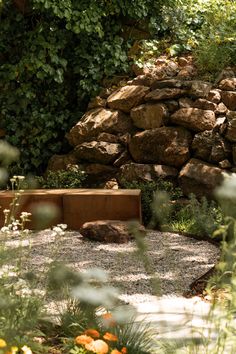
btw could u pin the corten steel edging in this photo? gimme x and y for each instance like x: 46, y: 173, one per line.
x: 100, y: 204
x: 76, y: 206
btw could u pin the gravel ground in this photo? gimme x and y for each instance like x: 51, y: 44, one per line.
x: 176, y: 261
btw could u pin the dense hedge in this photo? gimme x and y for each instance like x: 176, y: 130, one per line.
x: 53, y: 56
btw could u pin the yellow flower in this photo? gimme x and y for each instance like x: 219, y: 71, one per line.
x: 92, y: 333
x: 13, y: 350
x: 97, y: 346
x: 3, y: 344
x: 26, y: 350
x: 83, y: 339
x: 110, y: 337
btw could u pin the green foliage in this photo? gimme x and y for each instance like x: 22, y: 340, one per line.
x: 52, y: 59
x: 198, y: 217
x: 62, y: 179
x: 148, y: 190
x: 217, y: 46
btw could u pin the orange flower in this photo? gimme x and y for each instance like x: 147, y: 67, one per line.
x: 109, y: 319
x: 124, y: 350
x: 97, y: 346
x: 92, y: 333
x: 110, y: 337
x: 83, y: 339
x: 115, y: 351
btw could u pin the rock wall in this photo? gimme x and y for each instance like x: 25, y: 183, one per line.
x: 170, y: 127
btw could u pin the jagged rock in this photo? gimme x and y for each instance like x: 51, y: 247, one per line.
x: 228, y: 84
x: 225, y: 164
x: 221, y: 109
x: 202, y: 103
x: 186, y: 102
x: 97, y: 102
x: 135, y: 172
x: 168, y: 83
x: 199, y: 89
x: 107, y: 231
x: 109, y: 138
x: 210, y: 146
x: 98, y: 170
x: 145, y: 172
x: 111, y: 184
x: 187, y: 71
x: 200, y: 178
x: 98, y: 151
x: 149, y: 116
x: 127, y: 97
x: 229, y: 99
x: 202, y: 145
x: 98, y: 121
x: 231, y: 128
x: 165, y: 145
x: 142, y: 80
x: 164, y: 94
x: 214, y: 96
x: 61, y: 162
x: 194, y: 119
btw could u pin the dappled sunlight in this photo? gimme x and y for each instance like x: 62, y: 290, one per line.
x: 176, y: 260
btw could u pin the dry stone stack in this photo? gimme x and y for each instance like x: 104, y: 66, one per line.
x: 158, y: 126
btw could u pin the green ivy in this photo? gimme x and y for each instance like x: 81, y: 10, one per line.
x: 53, y: 58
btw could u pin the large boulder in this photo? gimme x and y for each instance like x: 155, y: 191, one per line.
x: 210, y: 146
x: 200, y: 178
x: 165, y: 145
x: 229, y: 99
x: 61, y: 162
x: 231, y: 127
x: 199, y: 89
x: 214, y: 96
x: 127, y: 97
x: 108, y: 231
x: 145, y: 172
x: 98, y: 121
x: 228, y: 84
x: 98, y: 151
x: 194, y: 119
x: 164, y: 94
x: 202, y: 103
x: 149, y: 116
x: 168, y: 83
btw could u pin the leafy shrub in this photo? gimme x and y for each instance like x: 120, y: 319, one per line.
x: 62, y: 179
x: 52, y: 59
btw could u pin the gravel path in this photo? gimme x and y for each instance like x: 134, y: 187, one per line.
x: 176, y: 261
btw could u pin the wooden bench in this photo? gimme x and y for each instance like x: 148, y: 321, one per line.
x: 77, y: 206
